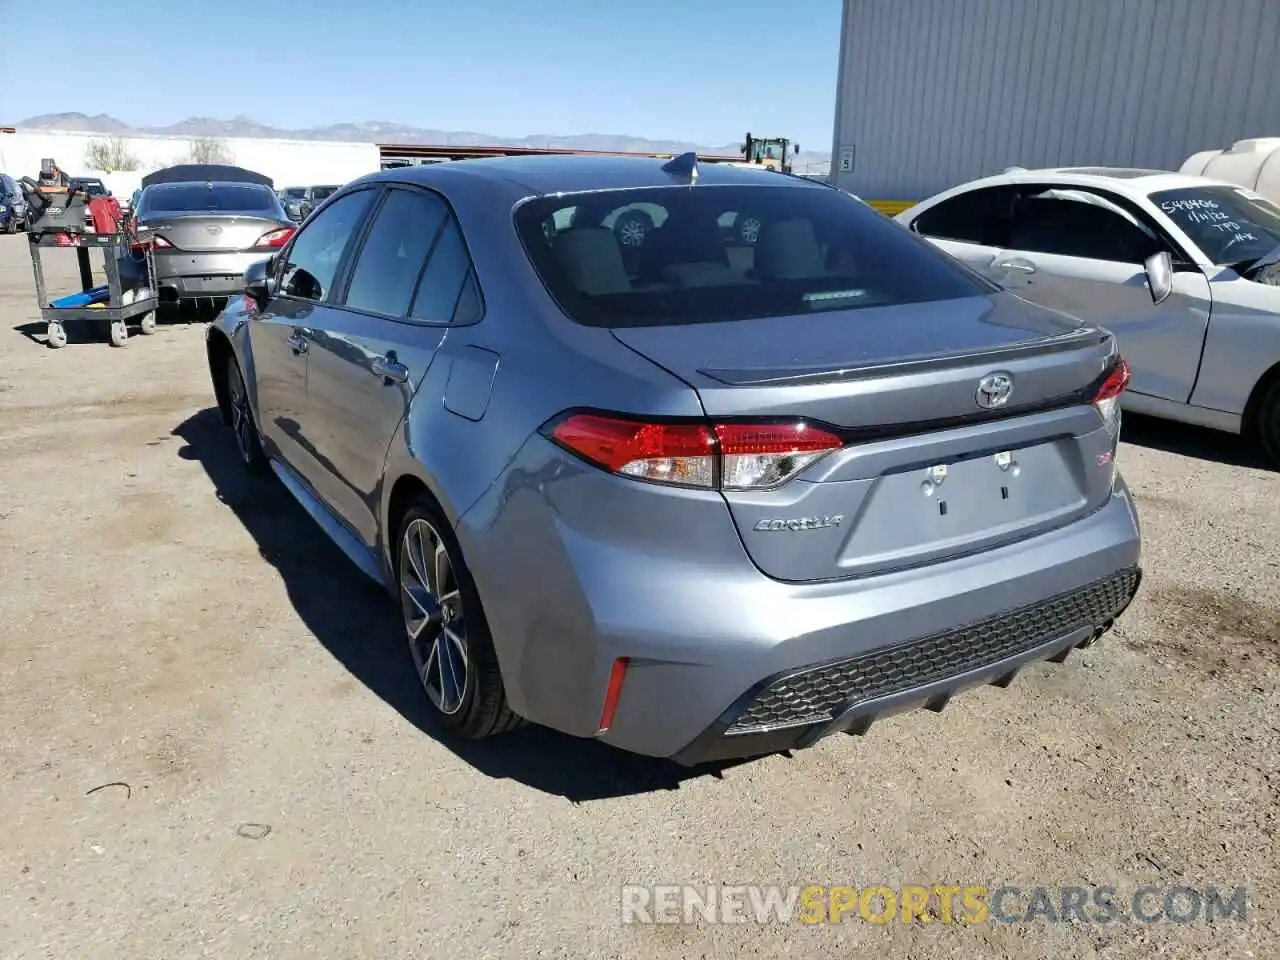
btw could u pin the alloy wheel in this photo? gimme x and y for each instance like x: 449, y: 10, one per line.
x: 241, y: 416
x: 632, y: 233
x: 434, y: 618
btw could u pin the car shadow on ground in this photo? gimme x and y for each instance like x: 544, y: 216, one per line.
x: 360, y: 626
x: 1188, y: 441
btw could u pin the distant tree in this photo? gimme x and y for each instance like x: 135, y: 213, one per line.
x: 208, y: 150
x: 109, y: 154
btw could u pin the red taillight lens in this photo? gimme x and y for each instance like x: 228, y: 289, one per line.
x: 1116, y: 383
x: 731, y: 456
x: 274, y: 239
x: 667, y: 453
x: 1107, y: 399
x: 160, y: 243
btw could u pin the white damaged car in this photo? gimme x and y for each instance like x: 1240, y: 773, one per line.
x: 1184, y: 270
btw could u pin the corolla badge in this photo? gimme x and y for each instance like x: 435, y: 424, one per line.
x: 994, y: 390
x: 796, y: 524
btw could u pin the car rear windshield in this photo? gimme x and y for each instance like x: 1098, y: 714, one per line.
x: 319, y: 193
x: 1230, y: 224
x: 710, y: 253
x: 295, y: 193
x: 198, y: 197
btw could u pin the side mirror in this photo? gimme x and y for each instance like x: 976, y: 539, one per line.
x: 797, y: 148
x: 1159, y: 267
x: 256, y: 283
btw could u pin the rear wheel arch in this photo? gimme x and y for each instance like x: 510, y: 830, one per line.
x: 488, y: 709
x: 1265, y: 392
x: 403, y: 492
x: 406, y: 488
x: 220, y: 352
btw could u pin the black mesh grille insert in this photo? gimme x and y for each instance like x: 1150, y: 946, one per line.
x: 816, y: 695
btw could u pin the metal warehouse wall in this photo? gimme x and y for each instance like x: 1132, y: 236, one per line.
x: 936, y: 92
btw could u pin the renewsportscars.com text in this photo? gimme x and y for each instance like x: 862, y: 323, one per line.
x: 938, y: 903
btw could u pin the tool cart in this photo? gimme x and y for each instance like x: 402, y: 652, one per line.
x: 57, y: 220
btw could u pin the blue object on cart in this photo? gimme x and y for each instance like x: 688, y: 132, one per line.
x: 96, y: 295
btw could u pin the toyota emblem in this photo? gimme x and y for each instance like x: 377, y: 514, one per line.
x: 994, y: 390
x: 214, y: 229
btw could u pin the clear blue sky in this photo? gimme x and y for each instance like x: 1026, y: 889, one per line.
x: 700, y: 70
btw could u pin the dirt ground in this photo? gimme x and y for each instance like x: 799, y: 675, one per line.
x: 274, y: 788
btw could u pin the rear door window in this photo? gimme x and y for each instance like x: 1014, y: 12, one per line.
x: 312, y: 261
x: 726, y: 253
x: 448, y: 292
x: 976, y: 216
x: 390, y: 261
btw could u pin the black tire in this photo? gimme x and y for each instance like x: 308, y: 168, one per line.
x: 1269, y: 424
x: 244, y: 429
x: 480, y: 708
x: 11, y: 225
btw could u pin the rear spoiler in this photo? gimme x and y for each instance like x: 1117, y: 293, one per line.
x: 206, y: 173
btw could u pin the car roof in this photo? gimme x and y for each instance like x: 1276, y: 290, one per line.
x: 1124, y: 180
x: 568, y: 173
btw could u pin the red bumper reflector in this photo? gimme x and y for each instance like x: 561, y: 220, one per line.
x: 613, y: 692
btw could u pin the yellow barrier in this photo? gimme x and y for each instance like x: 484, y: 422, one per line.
x: 891, y: 208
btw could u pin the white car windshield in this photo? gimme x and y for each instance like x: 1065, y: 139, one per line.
x: 1231, y: 225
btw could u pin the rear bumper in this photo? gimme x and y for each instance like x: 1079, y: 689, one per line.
x: 192, y: 275
x: 712, y: 642
x: 797, y: 708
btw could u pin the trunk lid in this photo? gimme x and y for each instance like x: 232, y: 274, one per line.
x: 205, y: 233
x: 926, y: 473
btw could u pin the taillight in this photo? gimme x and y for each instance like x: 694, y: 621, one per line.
x: 1107, y: 399
x: 728, y: 456
x: 161, y: 243
x: 760, y: 455
x: 684, y: 454
x: 274, y: 239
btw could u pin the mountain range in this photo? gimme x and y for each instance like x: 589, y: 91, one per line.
x: 386, y: 132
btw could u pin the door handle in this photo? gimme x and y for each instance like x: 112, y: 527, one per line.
x: 1016, y: 265
x: 388, y: 368
x: 299, y: 341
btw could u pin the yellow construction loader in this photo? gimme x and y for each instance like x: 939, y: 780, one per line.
x: 772, y: 153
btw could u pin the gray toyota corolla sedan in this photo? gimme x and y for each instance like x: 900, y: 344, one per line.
x: 700, y: 497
